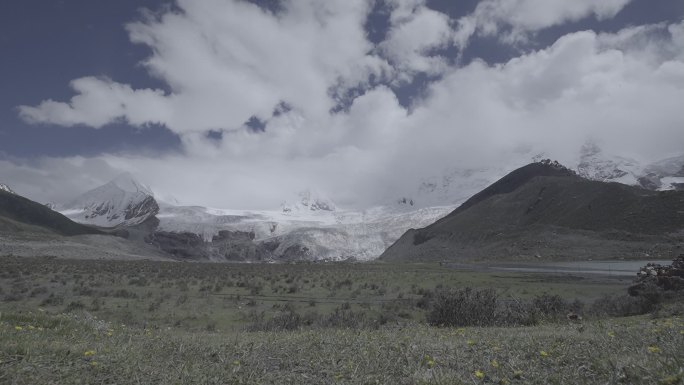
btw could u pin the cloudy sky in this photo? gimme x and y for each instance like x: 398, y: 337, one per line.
x: 241, y: 104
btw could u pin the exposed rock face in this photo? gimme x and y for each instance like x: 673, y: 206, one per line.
x: 650, y: 181
x: 237, y: 246
x: 182, y: 245
x: 226, y: 246
x: 309, y: 201
x: 659, y: 277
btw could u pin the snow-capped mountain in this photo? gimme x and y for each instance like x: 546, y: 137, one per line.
x: 309, y: 200
x: 121, y: 202
x: 596, y: 165
x: 6, y: 188
x: 667, y: 174
x: 453, y: 186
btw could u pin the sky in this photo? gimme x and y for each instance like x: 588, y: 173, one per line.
x: 242, y: 104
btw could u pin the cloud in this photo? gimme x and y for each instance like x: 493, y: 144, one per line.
x: 100, y: 101
x: 226, y: 61
x: 55, y: 180
x: 415, y: 31
x: 513, y: 20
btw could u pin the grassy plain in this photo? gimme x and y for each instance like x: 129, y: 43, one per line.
x: 124, y: 322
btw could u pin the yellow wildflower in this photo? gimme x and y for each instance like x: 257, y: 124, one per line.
x: 428, y: 361
x: 653, y: 349
x: 31, y: 327
x: 479, y: 374
x: 89, y: 353
x: 470, y: 342
x: 18, y: 328
x: 671, y: 380
x: 93, y: 363
x: 611, y: 334
x: 495, y: 363
x: 543, y: 354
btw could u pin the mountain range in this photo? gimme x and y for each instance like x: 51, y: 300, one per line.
x: 313, y: 227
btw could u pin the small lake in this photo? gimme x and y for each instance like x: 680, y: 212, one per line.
x: 617, y: 268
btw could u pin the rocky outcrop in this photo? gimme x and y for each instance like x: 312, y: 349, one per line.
x: 237, y: 246
x: 654, y: 276
x: 226, y: 246
x: 181, y: 245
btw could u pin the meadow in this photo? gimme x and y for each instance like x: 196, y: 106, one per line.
x: 99, y: 321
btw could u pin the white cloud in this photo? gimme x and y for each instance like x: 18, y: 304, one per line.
x: 512, y: 20
x: 225, y: 61
x: 415, y: 30
x: 99, y: 102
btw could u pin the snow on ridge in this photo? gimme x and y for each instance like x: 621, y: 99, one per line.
x: 6, y: 188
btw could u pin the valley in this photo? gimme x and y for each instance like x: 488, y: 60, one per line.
x: 525, y: 282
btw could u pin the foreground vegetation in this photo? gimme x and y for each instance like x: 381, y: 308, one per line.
x: 89, y: 322
x: 42, y: 349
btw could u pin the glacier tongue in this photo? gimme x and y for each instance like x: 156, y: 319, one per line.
x: 305, y: 234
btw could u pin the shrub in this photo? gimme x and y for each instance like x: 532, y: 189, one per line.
x: 549, y: 306
x: 622, y: 305
x: 74, y: 305
x: 476, y: 307
x: 53, y: 300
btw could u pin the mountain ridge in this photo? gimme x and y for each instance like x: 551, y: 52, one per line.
x: 506, y: 217
x: 23, y: 210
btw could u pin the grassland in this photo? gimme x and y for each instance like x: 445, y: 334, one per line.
x: 124, y: 322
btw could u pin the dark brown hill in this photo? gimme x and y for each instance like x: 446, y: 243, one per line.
x: 16, y: 211
x: 544, y: 210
